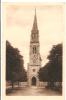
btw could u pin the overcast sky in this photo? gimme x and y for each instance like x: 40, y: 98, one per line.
x: 18, y: 24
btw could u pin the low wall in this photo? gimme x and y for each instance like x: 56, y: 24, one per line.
x: 43, y: 84
x: 23, y: 84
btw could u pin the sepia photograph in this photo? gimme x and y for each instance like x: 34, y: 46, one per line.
x: 33, y: 49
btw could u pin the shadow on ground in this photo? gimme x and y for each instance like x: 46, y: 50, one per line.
x: 31, y: 91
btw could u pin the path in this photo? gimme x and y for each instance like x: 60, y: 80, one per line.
x: 33, y: 91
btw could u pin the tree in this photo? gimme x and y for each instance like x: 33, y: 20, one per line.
x: 52, y: 71
x: 43, y: 73
x: 14, y: 65
x: 55, y: 59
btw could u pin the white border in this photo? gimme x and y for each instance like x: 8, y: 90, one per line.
x: 30, y: 97
x: 35, y: 1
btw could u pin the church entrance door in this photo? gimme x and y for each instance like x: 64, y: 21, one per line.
x: 33, y: 81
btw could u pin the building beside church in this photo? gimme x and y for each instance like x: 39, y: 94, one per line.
x: 34, y: 55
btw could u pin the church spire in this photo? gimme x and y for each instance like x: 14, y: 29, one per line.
x: 35, y: 31
x: 35, y: 27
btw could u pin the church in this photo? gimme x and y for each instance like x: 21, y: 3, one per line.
x: 34, y: 55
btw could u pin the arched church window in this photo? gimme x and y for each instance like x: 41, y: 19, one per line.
x: 34, y: 49
x: 32, y: 36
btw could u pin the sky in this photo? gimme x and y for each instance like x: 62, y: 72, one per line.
x: 18, y: 22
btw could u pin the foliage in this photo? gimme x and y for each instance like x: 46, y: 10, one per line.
x: 43, y: 73
x: 14, y: 64
x: 52, y: 71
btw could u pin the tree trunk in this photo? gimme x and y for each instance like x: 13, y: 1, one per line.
x: 18, y: 83
x: 12, y: 84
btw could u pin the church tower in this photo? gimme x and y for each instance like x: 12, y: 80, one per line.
x: 34, y: 55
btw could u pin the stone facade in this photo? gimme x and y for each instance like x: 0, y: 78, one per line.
x: 34, y: 55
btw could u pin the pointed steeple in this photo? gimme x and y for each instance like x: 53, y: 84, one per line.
x: 35, y: 31
x: 35, y: 27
